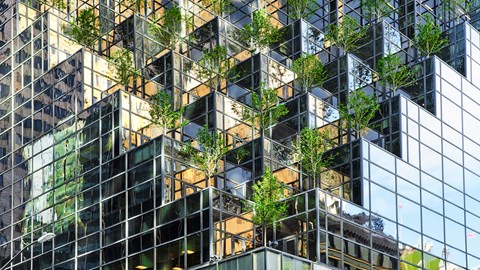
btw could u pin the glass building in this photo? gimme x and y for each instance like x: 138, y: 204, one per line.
x: 80, y: 157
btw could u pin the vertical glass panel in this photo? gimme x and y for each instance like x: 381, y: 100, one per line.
x: 431, y: 201
x: 408, y: 172
x: 382, y: 177
x: 408, y: 236
x: 408, y: 213
x: 413, y: 150
x: 382, y: 158
x: 431, y: 161
x: 432, y: 224
x: 453, y: 174
x: 383, y: 202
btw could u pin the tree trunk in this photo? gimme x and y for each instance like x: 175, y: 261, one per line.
x: 264, y: 229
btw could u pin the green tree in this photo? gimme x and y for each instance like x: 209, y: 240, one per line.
x: 260, y: 33
x: 302, y: 9
x: 169, y: 32
x: 214, y: 65
x: 310, y: 71
x: 346, y: 34
x: 266, y: 205
x: 376, y: 9
x: 84, y: 29
x: 213, y: 148
x: 58, y: 4
x: 122, y: 62
x: 217, y: 6
x: 136, y: 4
x: 454, y: 9
x: 428, y: 38
x: 394, y: 74
x: 162, y: 112
x: 358, y: 112
x: 266, y: 109
x: 240, y: 153
x: 310, y: 151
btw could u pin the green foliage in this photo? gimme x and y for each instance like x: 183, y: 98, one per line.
x: 162, y: 112
x: 122, y: 62
x: 302, y: 9
x: 376, y: 9
x: 58, y: 4
x: 137, y: 4
x: 358, y: 112
x: 260, y: 33
x: 310, y: 71
x: 240, y: 153
x: 217, y: 6
x: 454, y: 9
x: 214, y: 65
x: 169, y: 32
x: 266, y: 108
x: 267, y: 207
x: 413, y: 258
x: 310, y: 151
x: 213, y: 149
x: 84, y: 29
x: 394, y: 74
x: 428, y: 38
x: 346, y: 34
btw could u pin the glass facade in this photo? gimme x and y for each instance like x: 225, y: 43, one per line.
x: 81, y: 158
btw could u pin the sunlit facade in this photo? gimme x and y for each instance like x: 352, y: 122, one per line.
x: 80, y: 158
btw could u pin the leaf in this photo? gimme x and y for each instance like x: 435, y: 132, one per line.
x: 302, y: 9
x: 162, y: 112
x: 394, y: 74
x: 310, y: 71
x: 213, y: 148
x: 359, y: 110
x: 267, y: 207
x: 215, y: 65
x: 84, y: 29
x: 122, y: 62
x: 266, y: 109
x: 428, y: 38
x: 218, y: 6
x: 260, y: 33
x: 375, y: 9
x: 310, y: 150
x: 346, y: 34
x: 169, y: 32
